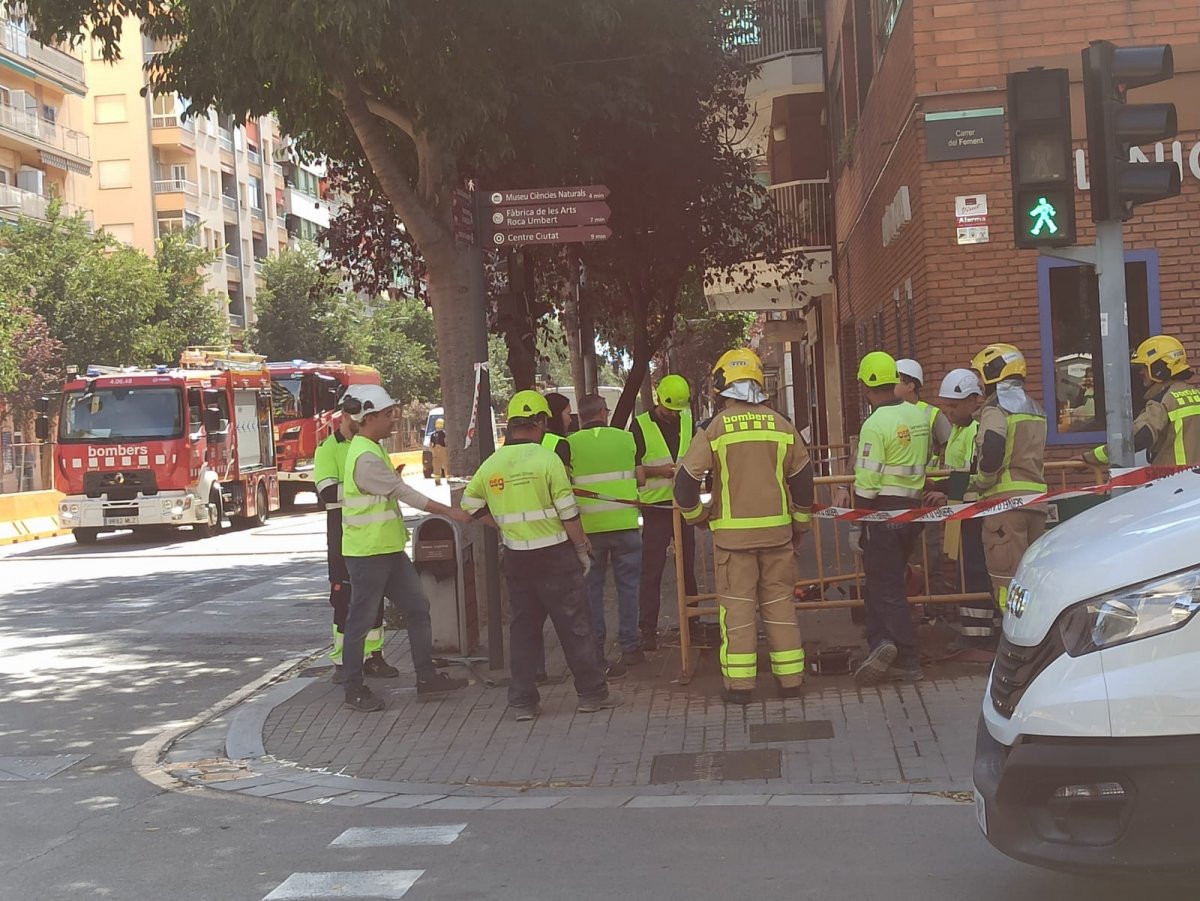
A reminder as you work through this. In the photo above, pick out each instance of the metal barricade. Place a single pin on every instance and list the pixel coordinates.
(829, 555)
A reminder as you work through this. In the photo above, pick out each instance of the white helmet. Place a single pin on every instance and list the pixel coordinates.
(960, 383)
(912, 369)
(359, 400)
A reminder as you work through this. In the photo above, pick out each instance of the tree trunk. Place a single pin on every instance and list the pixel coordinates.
(522, 354)
(570, 321)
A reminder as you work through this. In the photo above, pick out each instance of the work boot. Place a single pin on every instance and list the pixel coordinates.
(609, 701)
(363, 699)
(896, 674)
(875, 666)
(632, 658)
(440, 684)
(615, 670)
(741, 696)
(339, 674)
(526, 714)
(649, 641)
(378, 668)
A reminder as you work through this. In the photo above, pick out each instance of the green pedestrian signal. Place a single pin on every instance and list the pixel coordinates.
(1043, 215)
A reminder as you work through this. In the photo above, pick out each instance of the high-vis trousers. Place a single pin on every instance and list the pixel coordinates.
(751, 582)
(977, 620)
(1006, 537)
(339, 600)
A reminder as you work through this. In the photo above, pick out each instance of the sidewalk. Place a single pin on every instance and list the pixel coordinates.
(668, 745)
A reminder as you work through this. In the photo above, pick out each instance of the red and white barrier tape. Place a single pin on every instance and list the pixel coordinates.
(1131, 478)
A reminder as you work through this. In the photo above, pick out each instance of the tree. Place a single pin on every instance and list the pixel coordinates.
(398, 339)
(302, 312)
(39, 359)
(424, 95)
(186, 314)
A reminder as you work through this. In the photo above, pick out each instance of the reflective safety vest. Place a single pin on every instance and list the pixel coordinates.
(659, 490)
(960, 449)
(893, 452)
(524, 487)
(602, 460)
(1024, 461)
(932, 413)
(752, 428)
(550, 440)
(371, 524)
(329, 466)
(1183, 405)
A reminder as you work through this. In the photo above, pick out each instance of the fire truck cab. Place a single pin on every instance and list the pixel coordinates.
(305, 399)
(185, 446)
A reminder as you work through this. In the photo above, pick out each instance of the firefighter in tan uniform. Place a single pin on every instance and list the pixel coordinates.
(1010, 459)
(1168, 428)
(761, 504)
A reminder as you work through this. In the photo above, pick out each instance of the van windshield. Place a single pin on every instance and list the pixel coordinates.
(121, 414)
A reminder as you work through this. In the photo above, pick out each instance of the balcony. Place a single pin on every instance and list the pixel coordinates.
(59, 66)
(803, 211)
(237, 321)
(254, 157)
(172, 131)
(40, 133)
(173, 225)
(258, 267)
(233, 262)
(785, 40)
(15, 203)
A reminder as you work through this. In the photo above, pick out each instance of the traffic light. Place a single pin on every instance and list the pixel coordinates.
(1039, 149)
(1113, 126)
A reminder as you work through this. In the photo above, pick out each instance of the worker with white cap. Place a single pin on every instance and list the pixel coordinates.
(373, 541)
(960, 397)
(912, 377)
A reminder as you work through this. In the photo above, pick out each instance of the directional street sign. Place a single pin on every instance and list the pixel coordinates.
(554, 215)
(522, 237)
(541, 196)
(463, 211)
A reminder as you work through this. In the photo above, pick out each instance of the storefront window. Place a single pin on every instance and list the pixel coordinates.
(1072, 362)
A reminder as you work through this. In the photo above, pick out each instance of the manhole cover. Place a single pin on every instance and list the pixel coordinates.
(29, 769)
(715, 766)
(804, 730)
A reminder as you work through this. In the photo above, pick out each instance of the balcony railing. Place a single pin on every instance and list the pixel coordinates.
(232, 262)
(772, 28)
(172, 121)
(258, 266)
(258, 212)
(176, 186)
(226, 140)
(44, 131)
(229, 202)
(237, 320)
(15, 201)
(17, 41)
(254, 156)
(803, 209)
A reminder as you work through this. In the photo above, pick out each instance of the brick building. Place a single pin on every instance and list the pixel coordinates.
(916, 94)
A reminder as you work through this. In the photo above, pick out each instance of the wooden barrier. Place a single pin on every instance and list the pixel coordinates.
(1058, 474)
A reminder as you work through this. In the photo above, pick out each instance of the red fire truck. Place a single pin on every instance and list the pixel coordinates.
(141, 448)
(305, 399)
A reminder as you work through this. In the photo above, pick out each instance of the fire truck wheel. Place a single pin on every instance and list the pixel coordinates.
(85, 536)
(262, 513)
(215, 514)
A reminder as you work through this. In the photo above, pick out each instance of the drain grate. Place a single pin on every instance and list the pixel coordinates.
(32, 769)
(803, 730)
(715, 766)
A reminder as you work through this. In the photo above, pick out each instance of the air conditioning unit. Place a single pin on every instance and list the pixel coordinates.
(32, 180)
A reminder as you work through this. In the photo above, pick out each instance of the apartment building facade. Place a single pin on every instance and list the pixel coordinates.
(915, 276)
(45, 152)
(158, 172)
(307, 204)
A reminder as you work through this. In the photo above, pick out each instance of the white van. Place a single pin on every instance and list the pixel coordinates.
(1088, 751)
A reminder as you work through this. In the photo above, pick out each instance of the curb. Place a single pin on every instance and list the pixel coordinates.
(244, 768)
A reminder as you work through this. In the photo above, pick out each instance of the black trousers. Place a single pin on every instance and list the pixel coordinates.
(541, 583)
(886, 549)
(339, 575)
(657, 533)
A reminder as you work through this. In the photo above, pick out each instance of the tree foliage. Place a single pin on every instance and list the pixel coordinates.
(398, 339)
(186, 312)
(105, 302)
(301, 311)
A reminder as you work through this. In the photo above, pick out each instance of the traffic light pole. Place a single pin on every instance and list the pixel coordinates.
(1114, 342)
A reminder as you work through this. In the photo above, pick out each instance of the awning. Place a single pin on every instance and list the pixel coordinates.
(62, 162)
(17, 67)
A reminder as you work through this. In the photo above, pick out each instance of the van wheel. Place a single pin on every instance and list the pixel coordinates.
(216, 513)
(86, 536)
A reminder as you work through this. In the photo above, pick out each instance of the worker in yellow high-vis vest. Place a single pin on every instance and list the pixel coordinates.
(761, 506)
(329, 467)
(889, 474)
(912, 380)
(602, 461)
(558, 427)
(1010, 461)
(1168, 428)
(524, 489)
(661, 437)
(373, 541)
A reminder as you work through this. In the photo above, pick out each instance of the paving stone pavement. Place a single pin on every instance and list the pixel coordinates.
(911, 738)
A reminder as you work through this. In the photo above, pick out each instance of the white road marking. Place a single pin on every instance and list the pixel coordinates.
(385, 884)
(386, 836)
